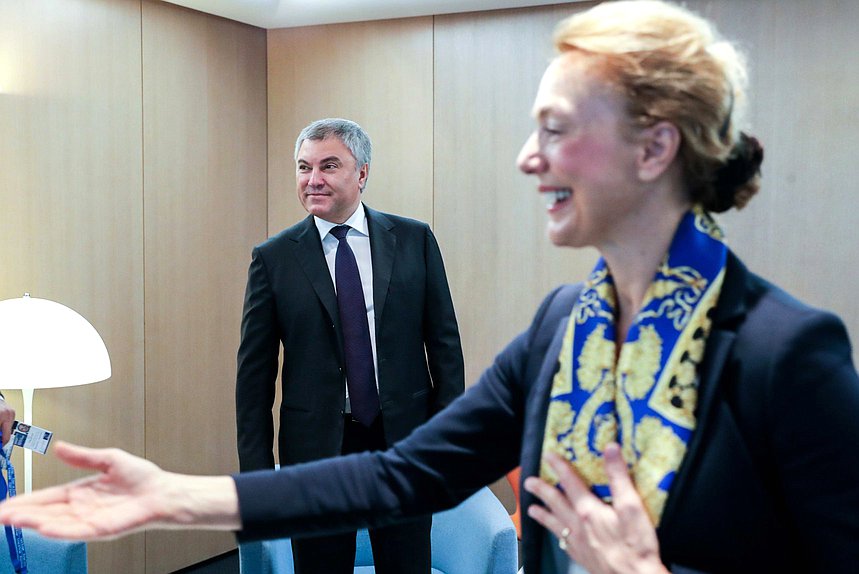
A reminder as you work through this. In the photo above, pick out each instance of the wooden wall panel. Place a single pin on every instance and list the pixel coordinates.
(800, 232)
(487, 214)
(378, 74)
(204, 104)
(71, 211)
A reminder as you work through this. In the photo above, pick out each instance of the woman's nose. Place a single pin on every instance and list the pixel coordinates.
(530, 161)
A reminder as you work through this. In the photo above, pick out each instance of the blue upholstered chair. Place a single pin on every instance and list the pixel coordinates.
(476, 537)
(47, 556)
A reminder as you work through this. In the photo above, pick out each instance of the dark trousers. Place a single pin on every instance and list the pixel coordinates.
(403, 548)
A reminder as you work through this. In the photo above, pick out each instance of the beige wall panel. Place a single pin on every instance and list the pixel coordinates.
(71, 211)
(489, 217)
(376, 73)
(800, 231)
(204, 101)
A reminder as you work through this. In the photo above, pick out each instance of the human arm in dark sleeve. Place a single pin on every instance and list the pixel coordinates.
(441, 332)
(256, 370)
(814, 400)
(468, 445)
(473, 442)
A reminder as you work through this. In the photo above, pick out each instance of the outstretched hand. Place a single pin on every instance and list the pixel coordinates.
(127, 495)
(617, 537)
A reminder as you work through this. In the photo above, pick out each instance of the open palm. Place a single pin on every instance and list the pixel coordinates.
(122, 498)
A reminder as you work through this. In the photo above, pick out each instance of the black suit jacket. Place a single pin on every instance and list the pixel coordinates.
(770, 481)
(290, 301)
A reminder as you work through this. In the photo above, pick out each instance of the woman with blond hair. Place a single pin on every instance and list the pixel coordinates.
(674, 411)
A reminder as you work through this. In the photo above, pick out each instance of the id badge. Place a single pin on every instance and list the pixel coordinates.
(30, 436)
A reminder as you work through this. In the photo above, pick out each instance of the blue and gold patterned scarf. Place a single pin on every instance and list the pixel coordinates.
(646, 401)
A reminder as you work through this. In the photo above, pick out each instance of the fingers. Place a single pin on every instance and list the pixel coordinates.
(53, 513)
(552, 498)
(617, 471)
(24, 510)
(575, 499)
(565, 509)
(63, 529)
(546, 519)
(573, 486)
(50, 495)
(6, 429)
(53, 521)
(627, 501)
(597, 535)
(572, 507)
(83, 457)
(7, 417)
(24, 517)
(549, 517)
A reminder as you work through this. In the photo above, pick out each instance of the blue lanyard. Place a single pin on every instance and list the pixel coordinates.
(14, 536)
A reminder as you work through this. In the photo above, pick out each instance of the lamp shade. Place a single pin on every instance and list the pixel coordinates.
(44, 344)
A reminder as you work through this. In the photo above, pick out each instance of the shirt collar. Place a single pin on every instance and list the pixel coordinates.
(357, 221)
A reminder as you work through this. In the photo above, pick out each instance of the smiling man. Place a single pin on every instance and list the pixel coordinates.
(360, 304)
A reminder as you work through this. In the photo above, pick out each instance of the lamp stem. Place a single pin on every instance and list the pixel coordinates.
(28, 454)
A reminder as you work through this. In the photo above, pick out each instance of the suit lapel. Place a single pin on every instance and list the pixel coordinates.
(532, 439)
(730, 309)
(547, 348)
(538, 405)
(383, 245)
(312, 261)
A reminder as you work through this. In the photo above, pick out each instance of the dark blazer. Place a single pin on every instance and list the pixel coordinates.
(290, 301)
(770, 481)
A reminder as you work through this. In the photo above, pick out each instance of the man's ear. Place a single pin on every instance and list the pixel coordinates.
(659, 145)
(362, 176)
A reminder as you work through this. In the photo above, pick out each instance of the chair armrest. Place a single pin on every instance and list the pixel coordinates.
(266, 557)
(48, 555)
(476, 537)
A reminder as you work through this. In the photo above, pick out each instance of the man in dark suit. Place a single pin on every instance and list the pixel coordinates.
(350, 382)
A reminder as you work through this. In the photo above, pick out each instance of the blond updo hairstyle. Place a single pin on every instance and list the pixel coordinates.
(671, 65)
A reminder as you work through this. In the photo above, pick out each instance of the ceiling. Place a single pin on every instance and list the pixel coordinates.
(290, 13)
